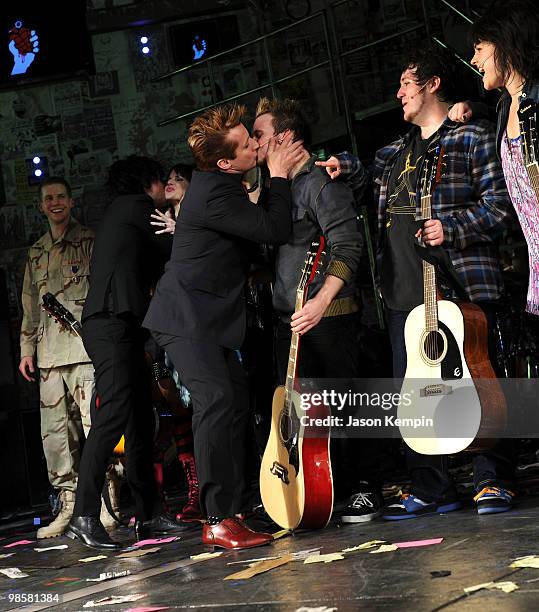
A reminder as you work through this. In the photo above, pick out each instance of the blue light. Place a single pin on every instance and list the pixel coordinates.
(143, 39)
(36, 160)
(38, 172)
(145, 50)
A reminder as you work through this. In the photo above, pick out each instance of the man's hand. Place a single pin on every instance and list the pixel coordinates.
(26, 367)
(164, 221)
(332, 166)
(309, 316)
(432, 232)
(283, 154)
(461, 112)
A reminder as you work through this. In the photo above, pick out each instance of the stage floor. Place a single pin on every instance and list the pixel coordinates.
(474, 550)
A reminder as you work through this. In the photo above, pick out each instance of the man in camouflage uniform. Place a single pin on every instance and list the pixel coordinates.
(58, 263)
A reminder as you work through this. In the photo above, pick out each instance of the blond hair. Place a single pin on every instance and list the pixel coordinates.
(208, 133)
(285, 115)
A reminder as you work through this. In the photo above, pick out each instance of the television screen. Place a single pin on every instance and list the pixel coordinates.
(39, 43)
(198, 40)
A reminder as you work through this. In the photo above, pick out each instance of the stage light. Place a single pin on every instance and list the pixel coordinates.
(144, 45)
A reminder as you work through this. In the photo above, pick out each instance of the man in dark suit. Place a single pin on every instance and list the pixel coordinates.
(198, 313)
(127, 261)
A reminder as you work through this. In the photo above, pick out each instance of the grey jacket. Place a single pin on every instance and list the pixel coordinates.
(319, 206)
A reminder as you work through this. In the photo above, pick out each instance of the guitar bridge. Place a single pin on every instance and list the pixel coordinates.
(280, 471)
(431, 390)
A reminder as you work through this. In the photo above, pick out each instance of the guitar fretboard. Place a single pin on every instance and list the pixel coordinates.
(429, 277)
(293, 354)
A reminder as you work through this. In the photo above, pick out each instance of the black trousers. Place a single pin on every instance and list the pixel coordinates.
(116, 347)
(429, 473)
(219, 393)
(331, 350)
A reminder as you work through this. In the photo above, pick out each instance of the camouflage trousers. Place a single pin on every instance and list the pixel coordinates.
(65, 396)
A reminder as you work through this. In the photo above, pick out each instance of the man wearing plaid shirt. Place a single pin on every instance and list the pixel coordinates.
(470, 208)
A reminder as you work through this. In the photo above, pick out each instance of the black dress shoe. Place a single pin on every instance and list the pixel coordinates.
(90, 531)
(159, 525)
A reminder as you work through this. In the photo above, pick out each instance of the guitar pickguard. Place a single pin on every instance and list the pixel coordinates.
(451, 366)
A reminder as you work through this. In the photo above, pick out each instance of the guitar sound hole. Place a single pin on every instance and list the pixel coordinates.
(433, 345)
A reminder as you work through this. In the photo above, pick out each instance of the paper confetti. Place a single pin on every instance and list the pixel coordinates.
(244, 561)
(529, 561)
(281, 534)
(259, 568)
(90, 559)
(19, 543)
(416, 543)
(147, 609)
(155, 541)
(208, 555)
(108, 576)
(13, 572)
(324, 558)
(506, 587)
(301, 555)
(60, 547)
(364, 546)
(319, 609)
(383, 549)
(138, 553)
(113, 599)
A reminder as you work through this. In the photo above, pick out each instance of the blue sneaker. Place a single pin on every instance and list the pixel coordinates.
(409, 506)
(492, 500)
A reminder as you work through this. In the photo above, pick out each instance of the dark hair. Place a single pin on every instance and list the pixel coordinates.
(53, 180)
(208, 135)
(184, 170)
(134, 175)
(512, 26)
(431, 61)
(286, 115)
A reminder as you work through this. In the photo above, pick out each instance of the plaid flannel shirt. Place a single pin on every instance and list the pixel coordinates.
(471, 201)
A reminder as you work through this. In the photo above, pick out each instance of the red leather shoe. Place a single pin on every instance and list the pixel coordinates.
(233, 534)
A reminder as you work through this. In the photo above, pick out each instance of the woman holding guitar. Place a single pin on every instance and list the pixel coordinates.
(506, 45)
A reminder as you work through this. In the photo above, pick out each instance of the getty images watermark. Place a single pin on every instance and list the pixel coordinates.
(451, 406)
(338, 401)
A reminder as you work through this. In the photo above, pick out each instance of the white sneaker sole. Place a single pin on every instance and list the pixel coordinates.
(364, 518)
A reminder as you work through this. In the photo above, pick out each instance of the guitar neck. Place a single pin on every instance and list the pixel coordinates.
(293, 353)
(429, 276)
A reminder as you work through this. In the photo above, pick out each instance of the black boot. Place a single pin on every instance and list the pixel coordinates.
(90, 531)
(158, 525)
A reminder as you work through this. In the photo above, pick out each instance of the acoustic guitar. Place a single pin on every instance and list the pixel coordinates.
(452, 390)
(295, 475)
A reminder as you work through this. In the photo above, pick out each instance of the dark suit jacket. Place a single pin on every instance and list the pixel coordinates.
(127, 260)
(201, 293)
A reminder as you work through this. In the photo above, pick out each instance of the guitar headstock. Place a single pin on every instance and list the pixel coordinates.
(314, 255)
(432, 168)
(59, 313)
(527, 118)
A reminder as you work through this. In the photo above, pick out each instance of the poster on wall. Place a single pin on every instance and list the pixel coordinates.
(25, 193)
(12, 230)
(13, 262)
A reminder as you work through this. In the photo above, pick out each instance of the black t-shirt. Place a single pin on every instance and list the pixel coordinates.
(401, 275)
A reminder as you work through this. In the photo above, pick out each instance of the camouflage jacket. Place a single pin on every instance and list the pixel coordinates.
(60, 267)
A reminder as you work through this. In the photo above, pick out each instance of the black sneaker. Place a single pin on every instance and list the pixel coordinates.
(364, 506)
